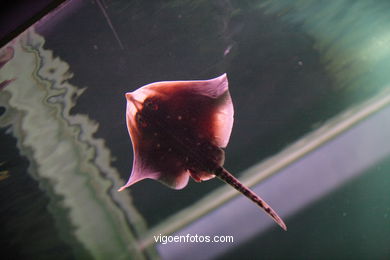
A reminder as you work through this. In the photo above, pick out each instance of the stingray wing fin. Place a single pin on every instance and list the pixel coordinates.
(173, 176)
(140, 170)
(222, 118)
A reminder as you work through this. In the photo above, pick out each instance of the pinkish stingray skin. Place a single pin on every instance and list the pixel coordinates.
(178, 128)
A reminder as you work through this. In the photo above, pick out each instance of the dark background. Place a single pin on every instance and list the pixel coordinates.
(276, 99)
(18, 15)
(280, 91)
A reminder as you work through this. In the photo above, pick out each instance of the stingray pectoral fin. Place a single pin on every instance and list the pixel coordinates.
(223, 112)
(223, 122)
(213, 88)
(140, 172)
(135, 177)
(140, 169)
(175, 180)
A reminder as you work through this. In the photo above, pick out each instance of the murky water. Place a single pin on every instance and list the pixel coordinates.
(291, 67)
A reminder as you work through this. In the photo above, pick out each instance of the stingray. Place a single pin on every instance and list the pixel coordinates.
(178, 130)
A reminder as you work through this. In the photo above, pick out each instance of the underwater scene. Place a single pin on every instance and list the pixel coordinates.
(296, 94)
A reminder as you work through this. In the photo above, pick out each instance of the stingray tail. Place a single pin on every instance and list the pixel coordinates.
(227, 177)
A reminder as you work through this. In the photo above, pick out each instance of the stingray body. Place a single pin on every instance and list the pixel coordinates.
(178, 130)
